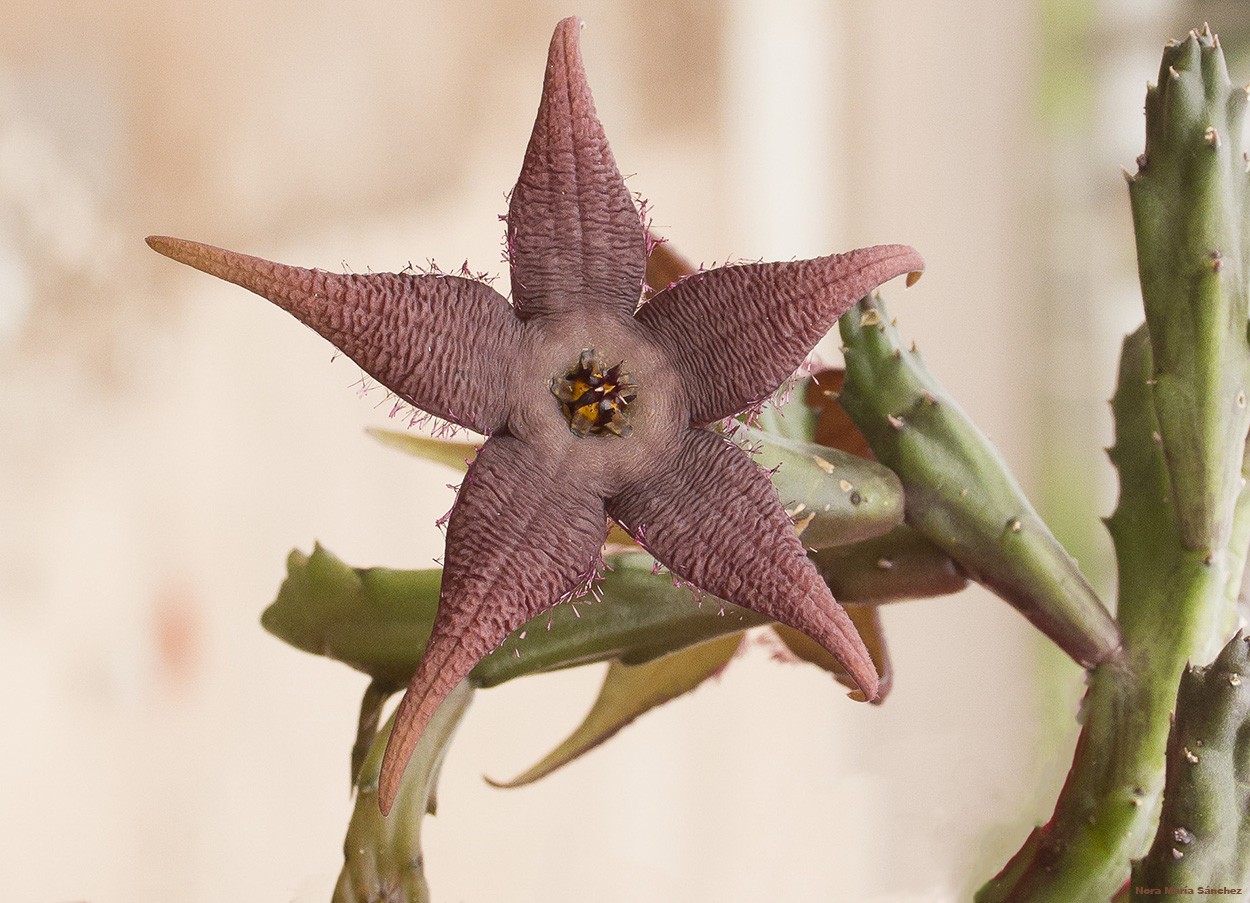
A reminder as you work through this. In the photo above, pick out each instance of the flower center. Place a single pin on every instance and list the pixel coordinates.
(595, 397)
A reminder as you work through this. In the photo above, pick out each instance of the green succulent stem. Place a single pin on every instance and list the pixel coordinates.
(1189, 202)
(1176, 606)
(1204, 831)
(959, 493)
(382, 855)
(1183, 521)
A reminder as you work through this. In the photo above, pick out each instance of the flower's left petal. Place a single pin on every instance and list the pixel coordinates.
(438, 342)
(737, 332)
(575, 238)
(522, 537)
(713, 518)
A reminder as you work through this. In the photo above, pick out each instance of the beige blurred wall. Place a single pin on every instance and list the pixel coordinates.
(165, 439)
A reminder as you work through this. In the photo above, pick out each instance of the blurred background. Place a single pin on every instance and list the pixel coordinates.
(165, 439)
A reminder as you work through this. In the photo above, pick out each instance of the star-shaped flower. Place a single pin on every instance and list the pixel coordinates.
(595, 406)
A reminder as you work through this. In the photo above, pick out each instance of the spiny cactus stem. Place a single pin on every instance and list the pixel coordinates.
(1176, 606)
(1204, 832)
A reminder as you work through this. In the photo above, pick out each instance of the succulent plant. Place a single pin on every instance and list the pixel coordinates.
(596, 406)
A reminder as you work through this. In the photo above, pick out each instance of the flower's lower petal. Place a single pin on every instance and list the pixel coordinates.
(437, 342)
(737, 332)
(713, 518)
(521, 538)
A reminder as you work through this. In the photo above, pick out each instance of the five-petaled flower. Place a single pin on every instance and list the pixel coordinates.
(593, 404)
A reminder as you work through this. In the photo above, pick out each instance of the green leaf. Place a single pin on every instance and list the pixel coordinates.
(1175, 605)
(455, 455)
(632, 690)
(382, 855)
(371, 705)
(789, 417)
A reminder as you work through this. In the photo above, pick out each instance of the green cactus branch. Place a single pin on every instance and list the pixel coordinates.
(1189, 201)
(382, 857)
(959, 493)
(1204, 832)
(1181, 527)
(1174, 604)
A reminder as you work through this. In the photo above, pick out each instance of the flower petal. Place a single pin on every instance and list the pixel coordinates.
(737, 332)
(574, 234)
(713, 518)
(521, 538)
(438, 342)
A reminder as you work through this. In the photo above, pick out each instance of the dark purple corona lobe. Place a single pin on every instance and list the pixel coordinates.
(595, 397)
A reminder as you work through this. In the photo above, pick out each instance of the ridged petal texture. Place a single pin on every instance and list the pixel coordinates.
(574, 234)
(529, 523)
(519, 539)
(737, 332)
(713, 518)
(435, 341)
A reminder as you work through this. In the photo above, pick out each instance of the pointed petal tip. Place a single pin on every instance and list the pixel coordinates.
(388, 784)
(906, 259)
(885, 262)
(869, 689)
(192, 253)
(164, 244)
(565, 46)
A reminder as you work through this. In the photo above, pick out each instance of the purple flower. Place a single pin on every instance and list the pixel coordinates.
(595, 407)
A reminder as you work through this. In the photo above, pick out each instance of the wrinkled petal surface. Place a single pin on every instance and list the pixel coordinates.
(521, 538)
(438, 342)
(737, 332)
(574, 234)
(713, 518)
